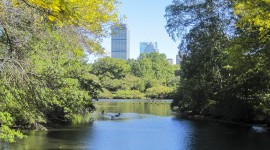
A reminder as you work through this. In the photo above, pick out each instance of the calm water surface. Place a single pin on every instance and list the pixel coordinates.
(145, 125)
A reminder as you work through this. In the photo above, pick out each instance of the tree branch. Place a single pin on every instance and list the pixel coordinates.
(9, 43)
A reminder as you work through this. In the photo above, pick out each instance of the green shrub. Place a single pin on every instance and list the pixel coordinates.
(106, 94)
(159, 91)
(125, 94)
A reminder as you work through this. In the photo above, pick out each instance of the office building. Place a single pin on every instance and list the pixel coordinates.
(148, 47)
(177, 59)
(120, 42)
(170, 60)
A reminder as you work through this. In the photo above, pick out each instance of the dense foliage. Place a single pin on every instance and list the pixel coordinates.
(151, 76)
(225, 58)
(44, 77)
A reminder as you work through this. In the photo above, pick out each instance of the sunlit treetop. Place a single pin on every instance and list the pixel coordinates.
(91, 15)
(253, 13)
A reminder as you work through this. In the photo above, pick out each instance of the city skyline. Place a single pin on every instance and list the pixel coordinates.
(146, 25)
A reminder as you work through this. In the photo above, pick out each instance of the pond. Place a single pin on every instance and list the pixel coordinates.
(144, 125)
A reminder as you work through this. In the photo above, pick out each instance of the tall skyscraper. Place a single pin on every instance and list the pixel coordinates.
(177, 59)
(120, 42)
(170, 60)
(148, 47)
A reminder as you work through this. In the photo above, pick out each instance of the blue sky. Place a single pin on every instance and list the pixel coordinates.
(146, 22)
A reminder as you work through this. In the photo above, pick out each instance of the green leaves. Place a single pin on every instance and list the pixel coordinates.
(6, 119)
(44, 73)
(159, 91)
(110, 67)
(253, 14)
(132, 78)
(7, 134)
(129, 94)
(92, 15)
(225, 57)
(154, 66)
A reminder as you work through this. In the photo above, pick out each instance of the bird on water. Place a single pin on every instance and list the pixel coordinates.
(111, 116)
(118, 115)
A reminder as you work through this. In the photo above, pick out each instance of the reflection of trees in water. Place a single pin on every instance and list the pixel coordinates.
(62, 138)
(33, 137)
(141, 107)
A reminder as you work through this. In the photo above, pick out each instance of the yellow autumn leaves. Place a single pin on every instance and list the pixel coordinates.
(253, 13)
(88, 14)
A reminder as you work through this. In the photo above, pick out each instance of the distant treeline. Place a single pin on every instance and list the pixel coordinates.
(150, 76)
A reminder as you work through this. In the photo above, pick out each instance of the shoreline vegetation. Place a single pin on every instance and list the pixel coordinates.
(133, 94)
(255, 124)
(45, 76)
(225, 58)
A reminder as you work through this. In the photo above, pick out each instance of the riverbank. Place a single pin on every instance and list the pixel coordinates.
(133, 99)
(252, 124)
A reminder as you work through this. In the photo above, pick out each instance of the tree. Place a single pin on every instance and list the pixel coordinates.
(184, 15)
(134, 66)
(250, 54)
(133, 76)
(201, 49)
(252, 14)
(43, 71)
(154, 66)
(224, 71)
(91, 15)
(131, 82)
(159, 92)
(110, 67)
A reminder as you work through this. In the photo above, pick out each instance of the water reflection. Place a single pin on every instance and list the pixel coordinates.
(68, 138)
(214, 135)
(147, 126)
(153, 107)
